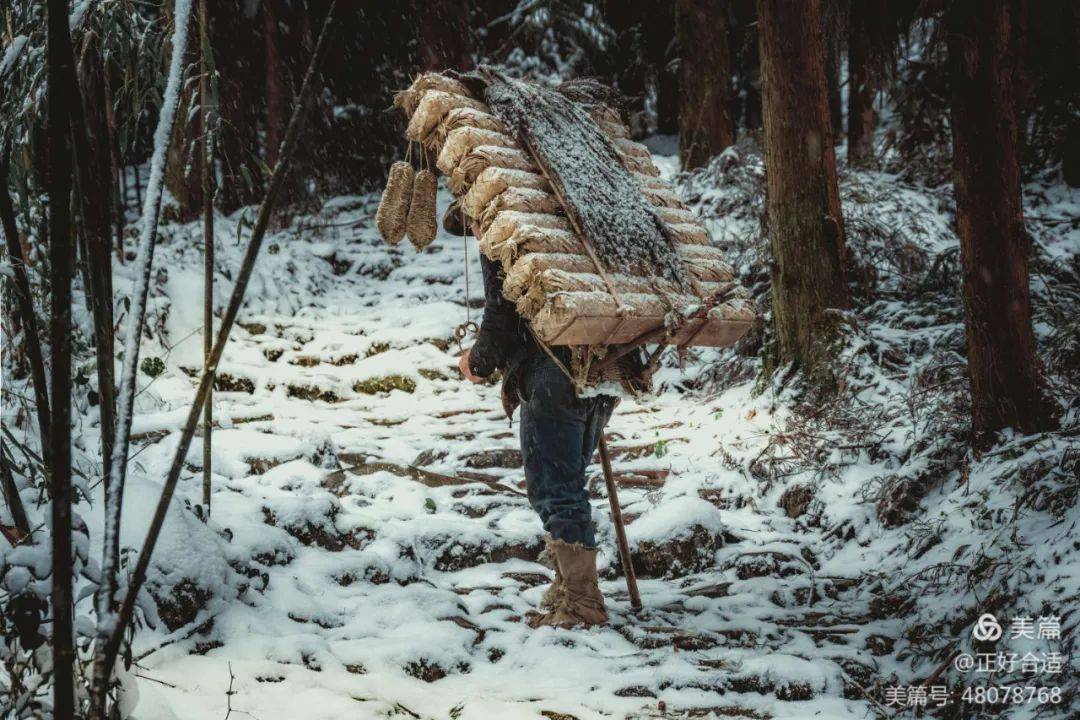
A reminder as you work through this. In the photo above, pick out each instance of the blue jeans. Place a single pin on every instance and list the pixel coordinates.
(559, 434)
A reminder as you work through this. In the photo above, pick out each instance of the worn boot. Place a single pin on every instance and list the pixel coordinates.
(580, 602)
(549, 558)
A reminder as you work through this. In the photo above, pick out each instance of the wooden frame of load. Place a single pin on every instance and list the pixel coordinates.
(551, 272)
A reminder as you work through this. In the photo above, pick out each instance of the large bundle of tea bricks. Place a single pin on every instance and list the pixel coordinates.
(520, 224)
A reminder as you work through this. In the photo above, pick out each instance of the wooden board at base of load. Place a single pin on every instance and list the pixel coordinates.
(549, 274)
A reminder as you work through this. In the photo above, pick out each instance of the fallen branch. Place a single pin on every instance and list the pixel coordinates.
(288, 145)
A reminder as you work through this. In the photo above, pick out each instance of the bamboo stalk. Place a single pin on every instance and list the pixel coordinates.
(61, 78)
(12, 497)
(119, 186)
(25, 300)
(114, 496)
(288, 145)
(207, 153)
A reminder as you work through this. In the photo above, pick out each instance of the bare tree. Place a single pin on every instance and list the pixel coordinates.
(1006, 386)
(805, 225)
(706, 114)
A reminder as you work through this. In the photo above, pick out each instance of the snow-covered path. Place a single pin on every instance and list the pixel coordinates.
(371, 552)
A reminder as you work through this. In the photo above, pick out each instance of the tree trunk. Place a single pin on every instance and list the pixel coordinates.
(659, 29)
(628, 59)
(277, 94)
(805, 225)
(444, 35)
(832, 24)
(59, 99)
(238, 56)
(95, 174)
(706, 123)
(862, 84)
(184, 167)
(1006, 387)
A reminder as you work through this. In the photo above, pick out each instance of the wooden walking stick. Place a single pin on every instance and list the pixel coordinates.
(620, 527)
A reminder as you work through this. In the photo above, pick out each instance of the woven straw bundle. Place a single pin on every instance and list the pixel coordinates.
(408, 100)
(609, 121)
(463, 141)
(495, 180)
(640, 165)
(662, 197)
(633, 149)
(532, 296)
(434, 105)
(561, 308)
(677, 215)
(522, 273)
(689, 233)
(515, 199)
(463, 117)
(483, 157)
(421, 224)
(394, 206)
(508, 222)
(739, 308)
(529, 239)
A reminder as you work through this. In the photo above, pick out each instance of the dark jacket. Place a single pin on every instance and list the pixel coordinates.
(504, 344)
(503, 341)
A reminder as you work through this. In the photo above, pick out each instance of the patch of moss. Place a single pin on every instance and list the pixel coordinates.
(376, 348)
(344, 359)
(430, 374)
(312, 392)
(224, 382)
(386, 383)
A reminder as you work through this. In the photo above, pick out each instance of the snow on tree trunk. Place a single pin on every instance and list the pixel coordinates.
(805, 225)
(706, 121)
(1006, 387)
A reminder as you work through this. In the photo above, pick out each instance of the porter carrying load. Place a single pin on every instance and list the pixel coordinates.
(588, 257)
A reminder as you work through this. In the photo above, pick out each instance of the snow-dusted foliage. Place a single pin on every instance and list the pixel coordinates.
(547, 40)
(931, 534)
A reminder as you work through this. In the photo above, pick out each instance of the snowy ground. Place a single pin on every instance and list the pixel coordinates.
(370, 551)
(342, 581)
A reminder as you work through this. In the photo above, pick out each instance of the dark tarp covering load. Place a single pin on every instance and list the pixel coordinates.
(597, 191)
